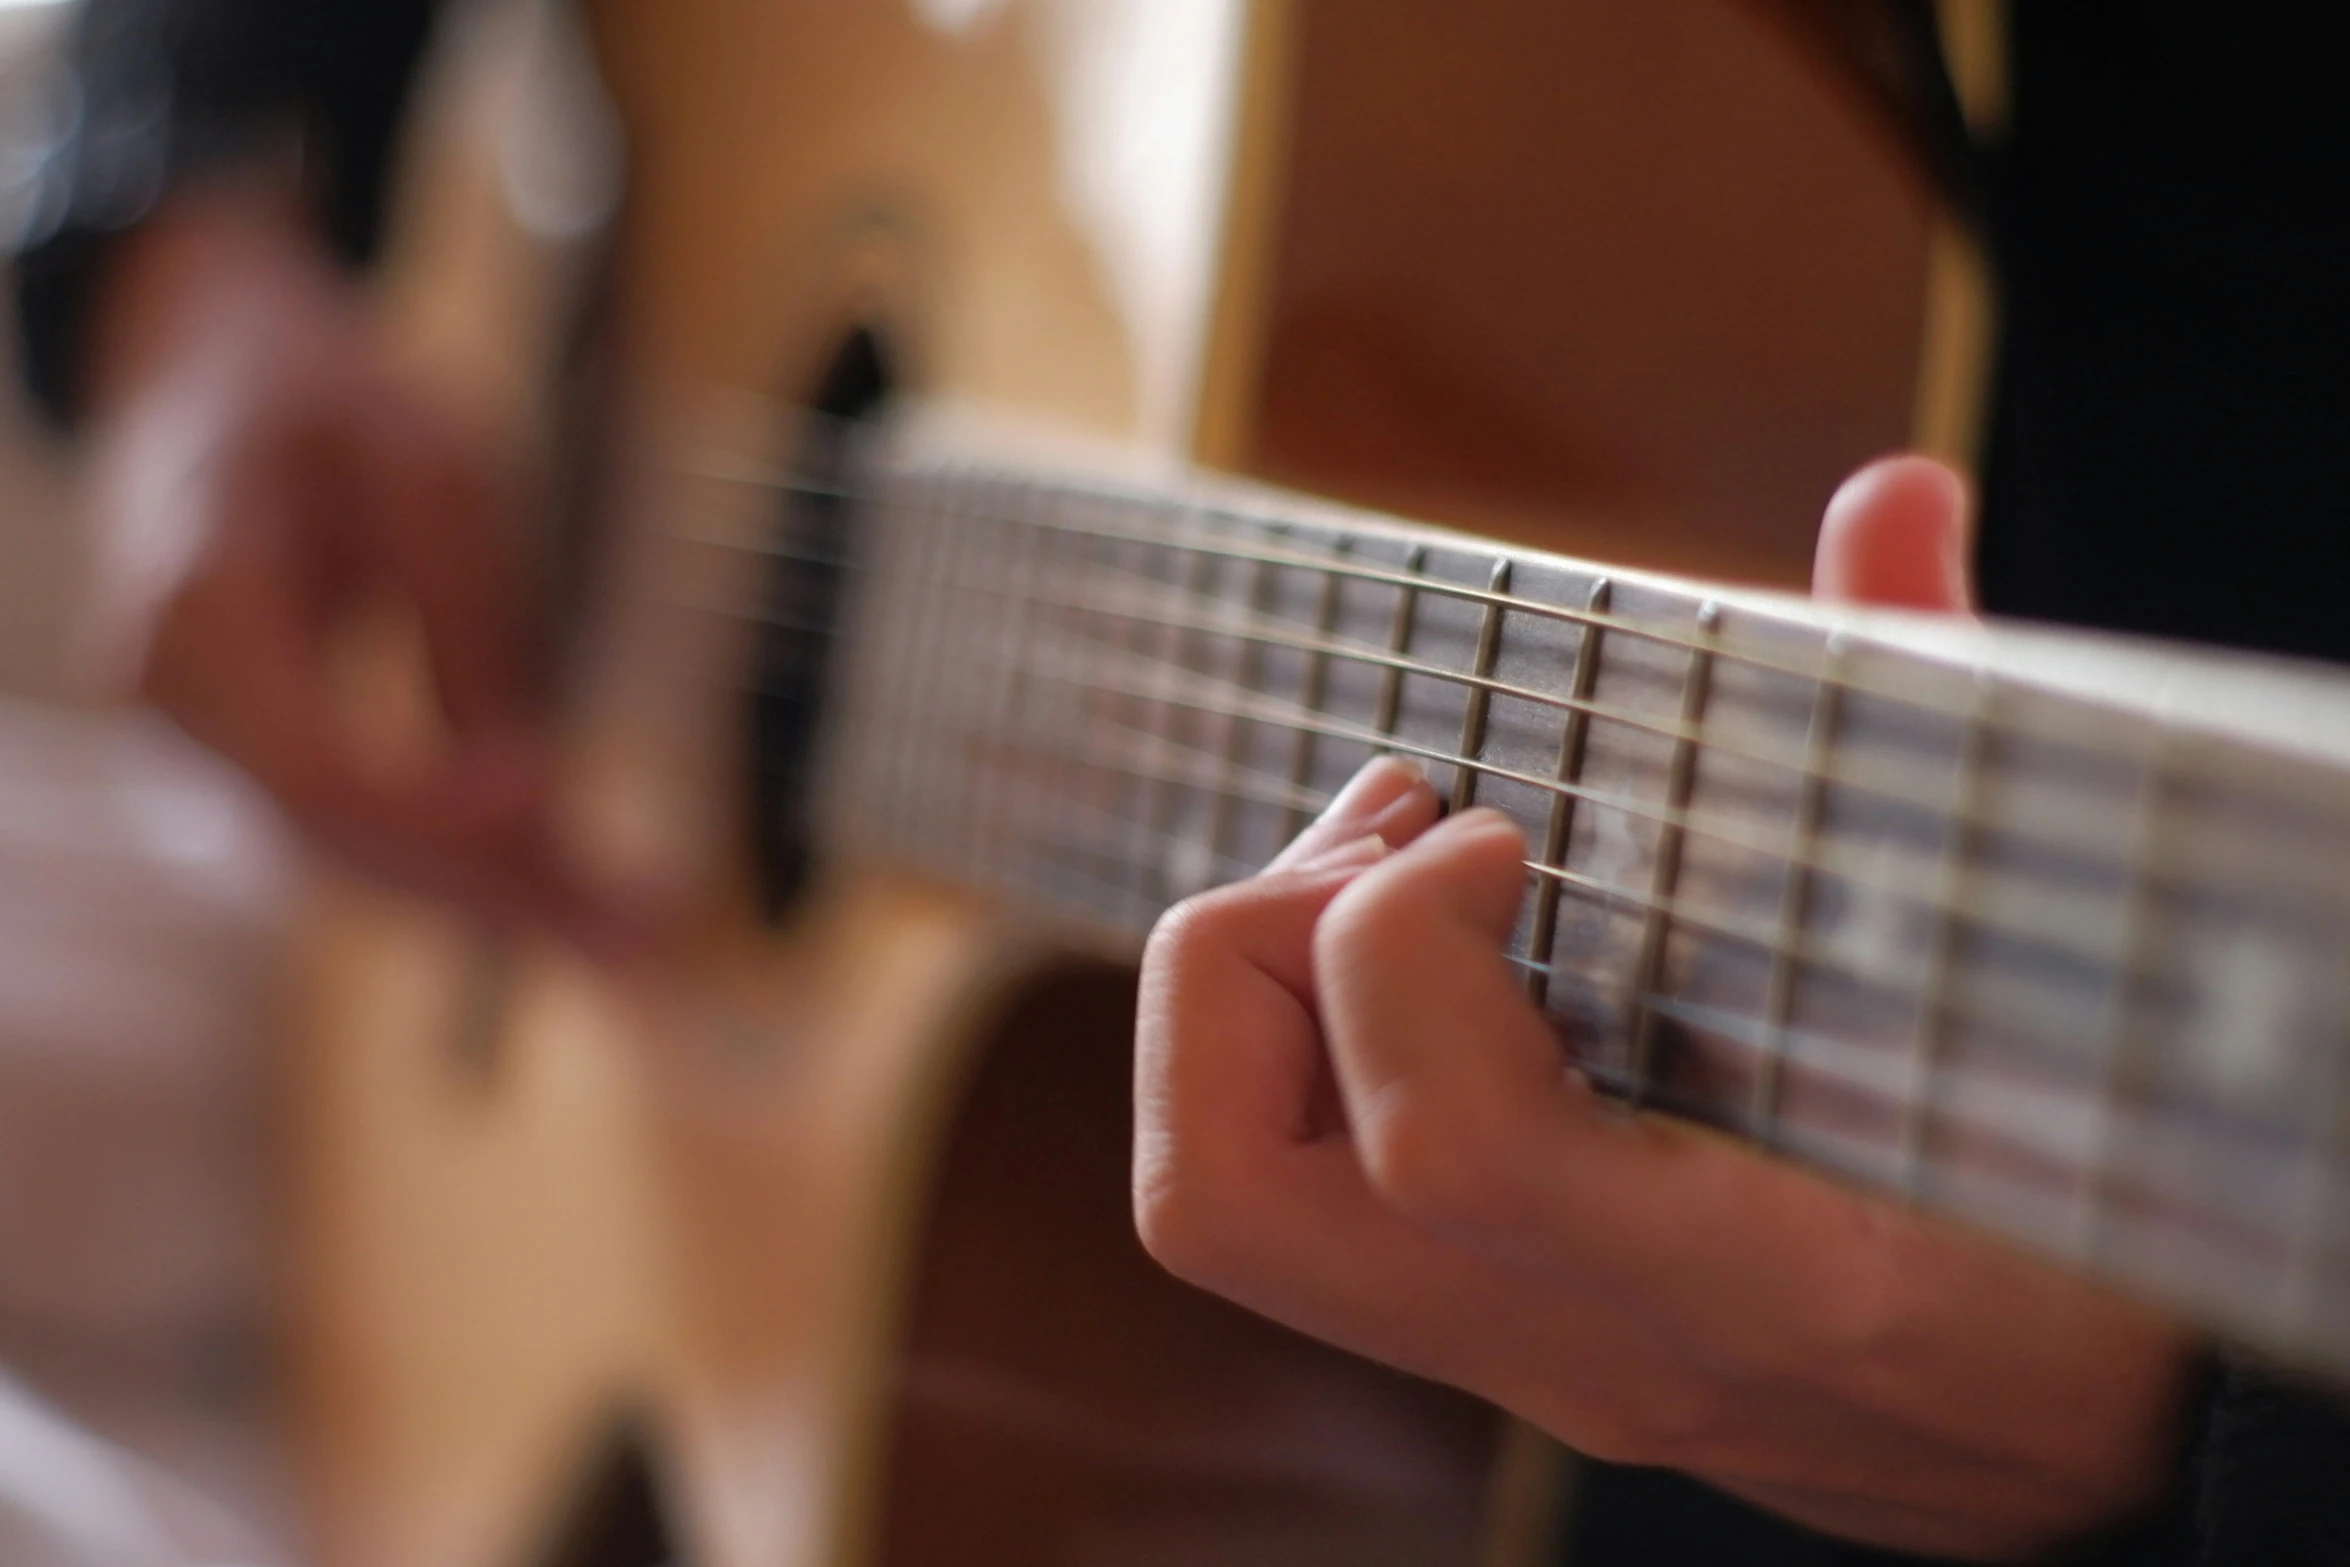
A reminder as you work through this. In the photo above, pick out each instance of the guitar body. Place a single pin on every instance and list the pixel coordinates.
(815, 1250)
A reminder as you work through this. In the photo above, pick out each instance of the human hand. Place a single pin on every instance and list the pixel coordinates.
(1351, 1120)
(266, 477)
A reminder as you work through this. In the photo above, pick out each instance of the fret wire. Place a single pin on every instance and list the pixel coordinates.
(1265, 788)
(893, 660)
(1655, 932)
(1069, 718)
(1654, 632)
(1024, 554)
(1043, 813)
(992, 851)
(1399, 644)
(1268, 789)
(1472, 743)
(1212, 773)
(1262, 788)
(1324, 647)
(2124, 1078)
(1248, 787)
(1795, 894)
(1016, 525)
(1573, 733)
(1268, 711)
(1148, 504)
(976, 542)
(1183, 646)
(854, 763)
(926, 582)
(1316, 688)
(961, 542)
(1903, 890)
(1197, 769)
(2318, 1180)
(1929, 1034)
(1651, 1087)
(926, 672)
(1248, 662)
(1154, 505)
(1853, 1068)
(1857, 1069)
(1664, 728)
(1147, 891)
(966, 686)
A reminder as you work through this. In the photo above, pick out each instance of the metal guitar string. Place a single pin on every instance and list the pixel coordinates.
(1134, 604)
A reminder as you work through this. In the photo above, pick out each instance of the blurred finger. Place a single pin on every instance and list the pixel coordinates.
(1897, 534)
(237, 660)
(442, 525)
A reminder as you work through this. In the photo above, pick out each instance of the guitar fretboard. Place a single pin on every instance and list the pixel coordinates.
(2061, 964)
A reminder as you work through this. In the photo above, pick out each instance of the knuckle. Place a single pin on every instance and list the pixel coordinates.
(1368, 925)
(1194, 928)
(1429, 1159)
(1182, 1220)
(1176, 933)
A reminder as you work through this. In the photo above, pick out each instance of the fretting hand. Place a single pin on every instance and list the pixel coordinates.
(1351, 1120)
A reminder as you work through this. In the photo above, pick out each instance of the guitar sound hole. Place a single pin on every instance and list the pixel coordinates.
(616, 1517)
(815, 532)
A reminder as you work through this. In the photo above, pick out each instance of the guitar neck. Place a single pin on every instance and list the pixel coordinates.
(2036, 931)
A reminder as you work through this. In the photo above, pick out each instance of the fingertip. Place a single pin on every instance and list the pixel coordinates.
(1467, 870)
(1480, 824)
(1482, 840)
(1388, 798)
(1896, 534)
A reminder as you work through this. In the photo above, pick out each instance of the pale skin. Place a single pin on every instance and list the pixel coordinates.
(266, 475)
(1350, 1119)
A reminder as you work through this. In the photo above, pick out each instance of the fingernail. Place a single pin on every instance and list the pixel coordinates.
(1381, 800)
(1383, 784)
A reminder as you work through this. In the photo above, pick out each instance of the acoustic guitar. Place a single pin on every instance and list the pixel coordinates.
(926, 670)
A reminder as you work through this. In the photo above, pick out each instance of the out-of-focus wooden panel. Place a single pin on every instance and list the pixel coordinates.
(1626, 279)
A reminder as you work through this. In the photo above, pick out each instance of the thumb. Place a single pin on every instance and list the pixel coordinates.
(1897, 534)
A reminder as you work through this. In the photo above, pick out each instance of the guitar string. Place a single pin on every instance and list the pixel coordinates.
(1274, 633)
(1955, 709)
(1114, 889)
(1972, 1098)
(2032, 1118)
(2065, 847)
(957, 510)
(2029, 1019)
(1213, 696)
(1311, 719)
(1208, 773)
(1190, 517)
(1200, 771)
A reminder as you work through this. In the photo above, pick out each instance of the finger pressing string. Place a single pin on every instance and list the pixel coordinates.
(1388, 799)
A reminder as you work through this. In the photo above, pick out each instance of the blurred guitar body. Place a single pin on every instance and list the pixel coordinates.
(817, 1252)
